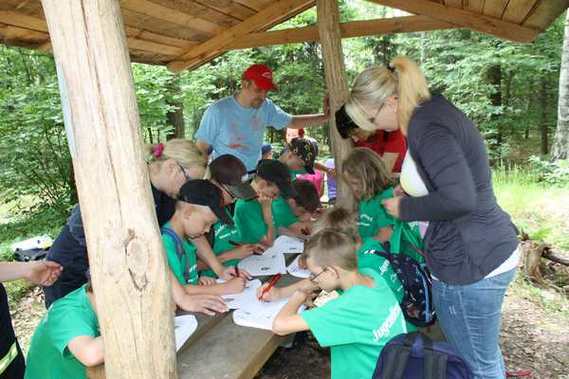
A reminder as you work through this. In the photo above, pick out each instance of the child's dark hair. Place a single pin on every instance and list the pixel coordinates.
(367, 167)
(330, 247)
(338, 218)
(306, 195)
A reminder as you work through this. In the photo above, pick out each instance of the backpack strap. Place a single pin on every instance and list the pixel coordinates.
(180, 253)
(435, 363)
(396, 360)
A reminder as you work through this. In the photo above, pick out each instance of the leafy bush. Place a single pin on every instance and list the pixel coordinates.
(556, 173)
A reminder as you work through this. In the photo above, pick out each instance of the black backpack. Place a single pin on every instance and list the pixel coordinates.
(30, 255)
(417, 304)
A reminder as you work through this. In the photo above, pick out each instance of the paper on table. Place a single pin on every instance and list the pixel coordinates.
(184, 327)
(287, 245)
(238, 300)
(259, 314)
(294, 270)
(269, 263)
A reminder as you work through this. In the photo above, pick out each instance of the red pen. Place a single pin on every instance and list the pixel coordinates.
(272, 283)
(237, 271)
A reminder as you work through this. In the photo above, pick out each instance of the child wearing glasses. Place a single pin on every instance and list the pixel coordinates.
(356, 325)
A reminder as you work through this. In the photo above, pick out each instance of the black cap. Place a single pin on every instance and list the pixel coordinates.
(344, 123)
(230, 172)
(305, 150)
(276, 172)
(203, 192)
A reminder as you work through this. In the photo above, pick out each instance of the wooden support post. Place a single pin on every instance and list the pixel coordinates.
(125, 250)
(336, 83)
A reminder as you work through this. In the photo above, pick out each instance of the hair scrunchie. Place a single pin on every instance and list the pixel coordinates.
(157, 150)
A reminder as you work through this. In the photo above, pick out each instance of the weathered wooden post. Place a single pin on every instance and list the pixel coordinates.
(335, 73)
(102, 124)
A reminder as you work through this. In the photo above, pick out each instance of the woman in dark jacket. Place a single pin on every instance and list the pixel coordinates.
(471, 245)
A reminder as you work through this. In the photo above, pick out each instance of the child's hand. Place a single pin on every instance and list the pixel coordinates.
(44, 273)
(207, 281)
(230, 273)
(271, 295)
(207, 304)
(265, 201)
(384, 234)
(300, 296)
(398, 191)
(248, 249)
(392, 206)
(235, 285)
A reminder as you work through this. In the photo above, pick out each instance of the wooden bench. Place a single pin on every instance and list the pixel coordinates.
(221, 349)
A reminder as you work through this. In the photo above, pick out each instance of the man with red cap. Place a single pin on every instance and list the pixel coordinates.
(236, 124)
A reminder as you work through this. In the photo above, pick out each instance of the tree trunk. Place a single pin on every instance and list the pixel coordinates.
(561, 144)
(175, 116)
(336, 83)
(126, 255)
(543, 119)
(495, 79)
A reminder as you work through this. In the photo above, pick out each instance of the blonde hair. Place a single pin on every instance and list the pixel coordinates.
(367, 167)
(330, 247)
(338, 218)
(183, 151)
(403, 78)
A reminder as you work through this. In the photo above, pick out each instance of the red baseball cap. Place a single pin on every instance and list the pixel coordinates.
(261, 75)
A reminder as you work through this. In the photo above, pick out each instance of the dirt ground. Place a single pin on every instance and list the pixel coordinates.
(531, 339)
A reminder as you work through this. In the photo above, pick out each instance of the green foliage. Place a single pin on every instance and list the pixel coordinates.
(555, 173)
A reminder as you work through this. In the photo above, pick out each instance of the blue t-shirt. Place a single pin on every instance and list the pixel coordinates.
(232, 129)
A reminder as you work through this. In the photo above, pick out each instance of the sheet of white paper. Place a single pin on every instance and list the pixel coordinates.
(294, 270)
(258, 314)
(238, 300)
(287, 245)
(184, 327)
(269, 263)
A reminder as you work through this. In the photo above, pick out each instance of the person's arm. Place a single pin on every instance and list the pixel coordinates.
(240, 252)
(307, 120)
(88, 350)
(324, 168)
(287, 320)
(266, 206)
(206, 304)
(235, 285)
(206, 254)
(277, 293)
(209, 129)
(445, 164)
(203, 146)
(44, 273)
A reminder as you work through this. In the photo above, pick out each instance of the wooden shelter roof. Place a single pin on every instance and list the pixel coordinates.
(188, 33)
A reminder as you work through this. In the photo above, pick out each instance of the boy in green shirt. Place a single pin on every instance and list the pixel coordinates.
(254, 218)
(68, 339)
(356, 325)
(293, 216)
(199, 205)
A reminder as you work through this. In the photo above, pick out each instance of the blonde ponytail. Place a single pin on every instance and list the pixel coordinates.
(371, 88)
(183, 151)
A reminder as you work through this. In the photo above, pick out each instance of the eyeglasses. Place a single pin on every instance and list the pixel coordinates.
(372, 119)
(229, 192)
(186, 176)
(313, 277)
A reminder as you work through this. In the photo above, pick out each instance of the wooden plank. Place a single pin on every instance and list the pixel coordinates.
(545, 12)
(453, 3)
(172, 16)
(22, 20)
(352, 29)
(16, 36)
(229, 7)
(210, 48)
(257, 5)
(475, 6)
(469, 19)
(197, 9)
(158, 38)
(518, 10)
(495, 8)
(337, 86)
(126, 255)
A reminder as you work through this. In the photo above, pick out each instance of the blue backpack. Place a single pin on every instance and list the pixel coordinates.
(416, 356)
(417, 304)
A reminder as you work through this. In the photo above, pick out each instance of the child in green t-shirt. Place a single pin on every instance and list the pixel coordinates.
(67, 339)
(356, 325)
(367, 177)
(293, 217)
(199, 206)
(254, 218)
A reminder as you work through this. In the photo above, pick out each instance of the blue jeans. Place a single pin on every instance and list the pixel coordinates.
(470, 317)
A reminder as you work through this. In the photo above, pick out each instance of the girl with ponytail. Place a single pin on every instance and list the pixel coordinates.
(471, 244)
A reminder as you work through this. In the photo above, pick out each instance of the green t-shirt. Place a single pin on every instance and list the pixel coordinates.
(294, 173)
(372, 214)
(406, 239)
(188, 261)
(282, 213)
(249, 220)
(368, 259)
(223, 234)
(356, 326)
(69, 317)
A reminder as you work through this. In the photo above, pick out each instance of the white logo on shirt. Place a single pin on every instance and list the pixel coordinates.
(387, 324)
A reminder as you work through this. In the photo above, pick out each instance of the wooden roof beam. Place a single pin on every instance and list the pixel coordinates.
(464, 18)
(212, 47)
(406, 24)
